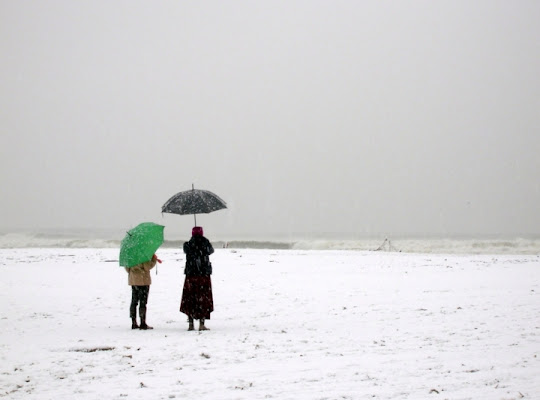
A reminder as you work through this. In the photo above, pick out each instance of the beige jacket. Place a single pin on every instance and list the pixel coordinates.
(139, 275)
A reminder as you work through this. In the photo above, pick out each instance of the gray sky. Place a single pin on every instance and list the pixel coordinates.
(353, 117)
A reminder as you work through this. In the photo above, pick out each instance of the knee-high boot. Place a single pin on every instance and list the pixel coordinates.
(144, 325)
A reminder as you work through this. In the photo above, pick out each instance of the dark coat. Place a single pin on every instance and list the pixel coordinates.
(197, 252)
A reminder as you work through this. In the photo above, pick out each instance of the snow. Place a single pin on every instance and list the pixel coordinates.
(288, 324)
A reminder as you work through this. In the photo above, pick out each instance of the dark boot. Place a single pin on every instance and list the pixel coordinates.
(191, 327)
(134, 324)
(201, 325)
(144, 326)
(142, 313)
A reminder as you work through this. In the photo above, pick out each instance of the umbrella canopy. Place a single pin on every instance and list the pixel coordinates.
(140, 244)
(194, 201)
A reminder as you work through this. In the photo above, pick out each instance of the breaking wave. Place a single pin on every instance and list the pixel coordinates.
(431, 245)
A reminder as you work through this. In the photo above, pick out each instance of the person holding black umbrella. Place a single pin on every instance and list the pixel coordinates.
(197, 300)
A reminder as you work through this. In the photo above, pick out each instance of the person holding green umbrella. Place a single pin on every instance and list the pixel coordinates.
(137, 255)
(139, 279)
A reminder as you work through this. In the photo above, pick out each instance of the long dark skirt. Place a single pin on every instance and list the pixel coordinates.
(197, 300)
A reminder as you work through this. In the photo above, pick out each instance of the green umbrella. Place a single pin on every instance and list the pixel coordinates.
(140, 244)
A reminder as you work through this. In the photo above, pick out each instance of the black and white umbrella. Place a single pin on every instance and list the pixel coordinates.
(194, 201)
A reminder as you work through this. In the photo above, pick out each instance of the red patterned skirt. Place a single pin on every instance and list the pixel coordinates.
(197, 300)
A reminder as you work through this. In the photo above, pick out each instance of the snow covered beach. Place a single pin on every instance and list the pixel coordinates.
(288, 324)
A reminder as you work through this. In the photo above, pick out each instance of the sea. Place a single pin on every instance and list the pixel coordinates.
(392, 243)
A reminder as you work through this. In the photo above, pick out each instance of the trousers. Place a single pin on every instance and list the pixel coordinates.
(139, 296)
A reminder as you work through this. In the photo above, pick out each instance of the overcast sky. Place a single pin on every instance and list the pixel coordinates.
(353, 117)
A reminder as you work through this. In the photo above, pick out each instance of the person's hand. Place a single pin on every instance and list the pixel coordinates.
(154, 258)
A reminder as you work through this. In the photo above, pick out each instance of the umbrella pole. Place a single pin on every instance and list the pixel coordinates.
(194, 215)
